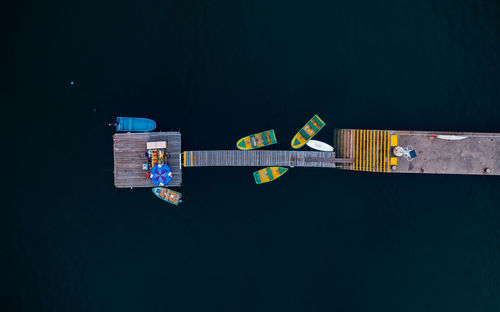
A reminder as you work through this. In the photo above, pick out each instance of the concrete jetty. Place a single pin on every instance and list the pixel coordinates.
(450, 152)
(436, 152)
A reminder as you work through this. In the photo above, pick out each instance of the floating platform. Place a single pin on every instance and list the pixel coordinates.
(436, 152)
(129, 156)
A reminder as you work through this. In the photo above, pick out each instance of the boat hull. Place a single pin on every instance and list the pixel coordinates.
(134, 124)
(168, 195)
(319, 146)
(307, 132)
(257, 140)
(268, 174)
(451, 137)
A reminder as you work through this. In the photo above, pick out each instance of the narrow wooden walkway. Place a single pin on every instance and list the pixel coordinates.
(260, 158)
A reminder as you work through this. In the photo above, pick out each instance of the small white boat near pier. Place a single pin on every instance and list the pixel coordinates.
(319, 146)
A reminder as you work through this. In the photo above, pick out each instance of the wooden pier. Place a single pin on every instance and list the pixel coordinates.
(355, 149)
(261, 158)
(129, 155)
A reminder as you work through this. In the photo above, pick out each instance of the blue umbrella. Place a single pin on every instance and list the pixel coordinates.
(160, 174)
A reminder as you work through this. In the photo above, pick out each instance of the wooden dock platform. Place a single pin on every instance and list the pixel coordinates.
(129, 155)
(260, 158)
(373, 150)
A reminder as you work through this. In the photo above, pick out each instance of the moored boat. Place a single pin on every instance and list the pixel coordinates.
(268, 174)
(257, 140)
(451, 137)
(168, 195)
(134, 124)
(310, 129)
(319, 146)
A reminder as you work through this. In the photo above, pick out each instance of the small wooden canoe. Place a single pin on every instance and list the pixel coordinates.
(268, 174)
(168, 195)
(134, 124)
(310, 129)
(257, 140)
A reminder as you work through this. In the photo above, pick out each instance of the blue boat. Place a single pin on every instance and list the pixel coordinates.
(134, 124)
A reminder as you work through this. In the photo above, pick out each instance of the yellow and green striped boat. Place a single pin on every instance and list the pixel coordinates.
(268, 174)
(257, 140)
(310, 129)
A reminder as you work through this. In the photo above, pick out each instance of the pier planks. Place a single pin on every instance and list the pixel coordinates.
(129, 156)
(260, 158)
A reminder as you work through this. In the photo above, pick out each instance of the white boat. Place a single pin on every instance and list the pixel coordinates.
(451, 137)
(320, 146)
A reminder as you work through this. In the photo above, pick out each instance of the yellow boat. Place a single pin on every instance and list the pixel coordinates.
(257, 140)
(311, 128)
(268, 174)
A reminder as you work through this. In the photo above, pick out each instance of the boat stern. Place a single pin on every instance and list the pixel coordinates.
(256, 177)
(273, 137)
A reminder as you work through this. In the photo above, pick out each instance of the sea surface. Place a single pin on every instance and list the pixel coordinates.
(315, 240)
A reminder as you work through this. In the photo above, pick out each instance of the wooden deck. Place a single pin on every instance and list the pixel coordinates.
(370, 149)
(261, 158)
(342, 142)
(129, 156)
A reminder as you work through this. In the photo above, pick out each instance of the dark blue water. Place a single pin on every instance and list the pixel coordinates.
(316, 240)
